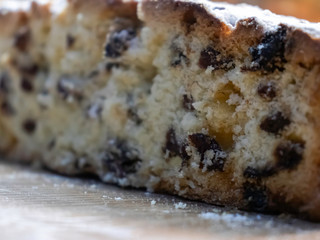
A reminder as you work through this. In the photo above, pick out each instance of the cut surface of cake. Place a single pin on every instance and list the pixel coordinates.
(208, 101)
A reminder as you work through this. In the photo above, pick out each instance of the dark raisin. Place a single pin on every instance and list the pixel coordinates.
(267, 91)
(189, 19)
(256, 196)
(255, 173)
(289, 155)
(179, 58)
(26, 85)
(30, 70)
(204, 143)
(22, 39)
(184, 155)
(110, 66)
(70, 41)
(133, 115)
(65, 88)
(187, 102)
(303, 65)
(51, 144)
(172, 146)
(210, 57)
(121, 159)
(275, 123)
(29, 126)
(78, 96)
(269, 54)
(62, 89)
(93, 74)
(7, 109)
(4, 83)
(118, 42)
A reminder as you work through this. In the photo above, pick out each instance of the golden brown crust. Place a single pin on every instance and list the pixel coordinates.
(186, 12)
(304, 9)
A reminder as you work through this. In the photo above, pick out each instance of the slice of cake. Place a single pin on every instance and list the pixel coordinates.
(208, 101)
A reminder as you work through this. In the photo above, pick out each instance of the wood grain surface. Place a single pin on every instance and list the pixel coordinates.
(39, 205)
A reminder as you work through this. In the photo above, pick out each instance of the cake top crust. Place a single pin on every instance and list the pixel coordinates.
(231, 14)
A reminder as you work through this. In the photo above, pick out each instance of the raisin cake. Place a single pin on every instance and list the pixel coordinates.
(208, 101)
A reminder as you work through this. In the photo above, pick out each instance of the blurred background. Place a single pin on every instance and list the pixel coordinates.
(305, 9)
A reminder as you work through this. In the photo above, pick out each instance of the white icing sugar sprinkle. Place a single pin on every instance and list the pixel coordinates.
(232, 219)
(224, 217)
(180, 205)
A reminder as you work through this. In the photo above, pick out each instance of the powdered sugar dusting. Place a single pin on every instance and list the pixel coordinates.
(224, 217)
(180, 205)
(228, 13)
(231, 15)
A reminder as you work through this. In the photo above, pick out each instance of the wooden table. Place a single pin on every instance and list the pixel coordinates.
(40, 205)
